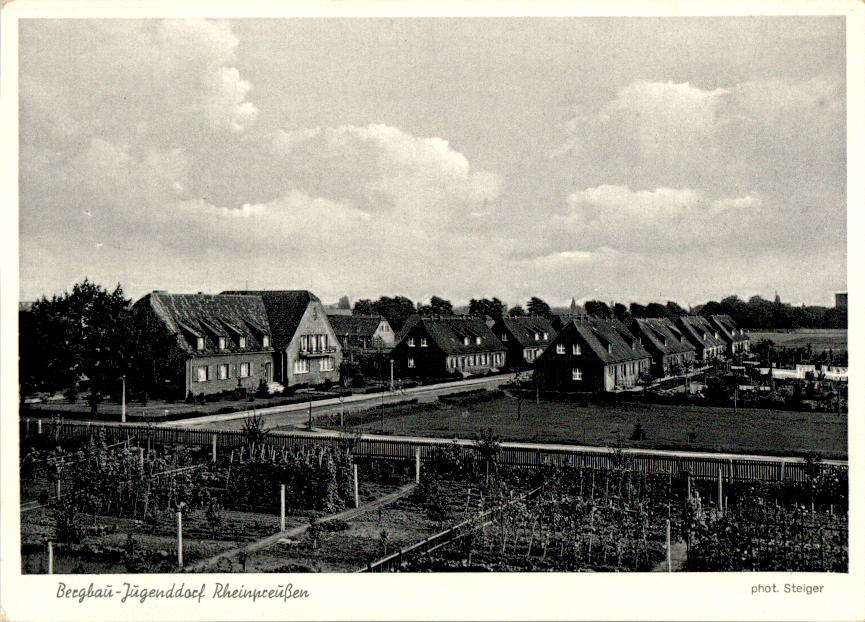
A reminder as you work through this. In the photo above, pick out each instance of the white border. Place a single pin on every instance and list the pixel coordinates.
(711, 596)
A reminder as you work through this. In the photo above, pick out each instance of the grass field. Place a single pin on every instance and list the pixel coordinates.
(670, 427)
(820, 339)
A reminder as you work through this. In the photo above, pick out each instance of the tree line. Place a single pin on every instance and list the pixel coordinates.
(755, 313)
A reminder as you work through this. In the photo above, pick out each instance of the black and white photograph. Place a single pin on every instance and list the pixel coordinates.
(527, 293)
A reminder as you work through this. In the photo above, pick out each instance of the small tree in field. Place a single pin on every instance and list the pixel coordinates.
(253, 429)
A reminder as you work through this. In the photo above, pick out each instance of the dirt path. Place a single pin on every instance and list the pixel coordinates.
(296, 531)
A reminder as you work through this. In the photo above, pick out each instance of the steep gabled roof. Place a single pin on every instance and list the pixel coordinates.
(357, 325)
(523, 329)
(662, 334)
(448, 334)
(608, 339)
(699, 331)
(727, 328)
(285, 308)
(192, 316)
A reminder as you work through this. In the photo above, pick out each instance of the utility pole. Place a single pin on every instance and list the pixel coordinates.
(309, 424)
(391, 375)
(179, 539)
(123, 400)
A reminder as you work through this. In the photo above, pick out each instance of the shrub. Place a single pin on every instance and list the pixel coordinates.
(190, 398)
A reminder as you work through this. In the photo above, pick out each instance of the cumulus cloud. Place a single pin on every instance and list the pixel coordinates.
(612, 217)
(389, 169)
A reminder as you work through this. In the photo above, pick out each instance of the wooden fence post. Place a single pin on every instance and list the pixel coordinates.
(39, 426)
(213, 449)
(356, 493)
(50, 557)
(720, 493)
(417, 465)
(179, 539)
(669, 552)
(282, 507)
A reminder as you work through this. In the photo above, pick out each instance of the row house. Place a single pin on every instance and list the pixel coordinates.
(306, 349)
(666, 343)
(362, 332)
(218, 343)
(436, 347)
(734, 338)
(592, 355)
(705, 337)
(525, 338)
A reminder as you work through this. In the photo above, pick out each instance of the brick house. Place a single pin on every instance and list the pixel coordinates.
(436, 347)
(592, 355)
(306, 350)
(703, 336)
(735, 339)
(524, 337)
(665, 342)
(221, 342)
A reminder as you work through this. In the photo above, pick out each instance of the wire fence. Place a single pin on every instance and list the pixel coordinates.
(789, 469)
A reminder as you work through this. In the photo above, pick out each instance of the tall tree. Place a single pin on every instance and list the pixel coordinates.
(598, 308)
(440, 306)
(675, 310)
(395, 310)
(516, 311)
(620, 312)
(364, 306)
(83, 339)
(655, 309)
(536, 306)
(637, 310)
(494, 308)
(343, 303)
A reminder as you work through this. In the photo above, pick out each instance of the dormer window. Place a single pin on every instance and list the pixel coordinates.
(265, 341)
(199, 343)
(241, 341)
(477, 340)
(537, 336)
(504, 337)
(575, 349)
(609, 348)
(466, 341)
(423, 342)
(560, 348)
(222, 343)
(546, 336)
(411, 342)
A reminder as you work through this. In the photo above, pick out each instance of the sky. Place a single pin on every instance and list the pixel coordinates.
(626, 159)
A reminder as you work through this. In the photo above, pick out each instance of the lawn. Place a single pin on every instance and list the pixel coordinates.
(820, 339)
(699, 428)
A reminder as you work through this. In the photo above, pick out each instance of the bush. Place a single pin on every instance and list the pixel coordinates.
(190, 398)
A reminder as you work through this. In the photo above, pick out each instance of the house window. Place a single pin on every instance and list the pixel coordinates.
(222, 343)
(609, 348)
(201, 373)
(301, 366)
(478, 340)
(537, 336)
(504, 337)
(199, 343)
(410, 362)
(546, 336)
(242, 341)
(560, 348)
(244, 370)
(575, 349)
(327, 363)
(265, 341)
(423, 343)
(411, 342)
(222, 372)
(466, 341)
(576, 373)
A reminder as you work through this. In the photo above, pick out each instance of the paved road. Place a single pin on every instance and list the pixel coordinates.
(293, 415)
